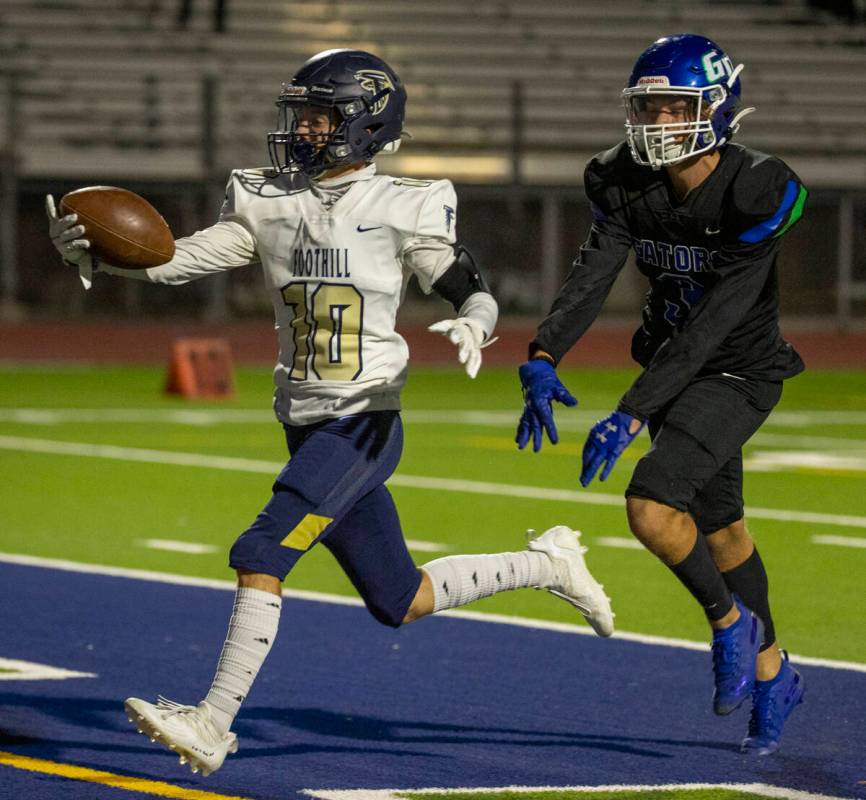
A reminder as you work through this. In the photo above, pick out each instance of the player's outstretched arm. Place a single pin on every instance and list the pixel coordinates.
(541, 386)
(68, 239)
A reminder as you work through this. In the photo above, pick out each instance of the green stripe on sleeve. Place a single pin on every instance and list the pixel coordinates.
(796, 212)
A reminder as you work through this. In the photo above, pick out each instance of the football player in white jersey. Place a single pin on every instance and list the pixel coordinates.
(337, 244)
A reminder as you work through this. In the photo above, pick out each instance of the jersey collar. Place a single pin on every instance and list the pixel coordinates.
(350, 177)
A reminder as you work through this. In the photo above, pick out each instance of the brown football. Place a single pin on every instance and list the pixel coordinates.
(123, 228)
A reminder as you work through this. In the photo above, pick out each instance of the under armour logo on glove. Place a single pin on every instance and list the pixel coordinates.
(605, 443)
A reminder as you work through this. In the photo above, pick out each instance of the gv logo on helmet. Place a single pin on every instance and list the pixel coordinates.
(716, 65)
(376, 81)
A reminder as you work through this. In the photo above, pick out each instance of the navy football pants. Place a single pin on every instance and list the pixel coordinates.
(332, 490)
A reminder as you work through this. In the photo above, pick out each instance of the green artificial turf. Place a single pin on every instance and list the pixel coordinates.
(101, 511)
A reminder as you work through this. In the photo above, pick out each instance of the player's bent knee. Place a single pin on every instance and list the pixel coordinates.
(649, 519)
(730, 546)
(735, 531)
(413, 601)
(254, 553)
(415, 612)
(392, 618)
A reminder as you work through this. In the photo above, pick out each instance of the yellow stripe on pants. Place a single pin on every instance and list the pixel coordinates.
(306, 532)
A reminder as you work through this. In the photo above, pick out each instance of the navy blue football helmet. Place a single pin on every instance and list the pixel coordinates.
(366, 103)
(676, 68)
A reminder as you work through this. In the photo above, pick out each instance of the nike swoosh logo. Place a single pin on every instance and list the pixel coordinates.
(364, 230)
(712, 233)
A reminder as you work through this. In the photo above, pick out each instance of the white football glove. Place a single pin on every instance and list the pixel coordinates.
(469, 337)
(66, 238)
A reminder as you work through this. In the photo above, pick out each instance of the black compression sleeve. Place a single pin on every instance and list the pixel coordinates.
(582, 295)
(700, 575)
(461, 280)
(749, 581)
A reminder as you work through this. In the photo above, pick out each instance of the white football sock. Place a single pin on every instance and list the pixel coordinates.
(252, 629)
(458, 580)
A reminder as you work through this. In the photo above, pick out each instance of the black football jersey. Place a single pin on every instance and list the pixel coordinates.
(712, 305)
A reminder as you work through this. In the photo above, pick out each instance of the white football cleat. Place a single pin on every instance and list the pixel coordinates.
(188, 730)
(572, 580)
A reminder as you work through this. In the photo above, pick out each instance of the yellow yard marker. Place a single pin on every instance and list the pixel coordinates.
(125, 782)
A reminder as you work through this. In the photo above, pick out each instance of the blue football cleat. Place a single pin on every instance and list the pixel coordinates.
(772, 703)
(735, 650)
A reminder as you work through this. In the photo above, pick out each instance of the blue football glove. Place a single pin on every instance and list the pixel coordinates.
(541, 387)
(605, 443)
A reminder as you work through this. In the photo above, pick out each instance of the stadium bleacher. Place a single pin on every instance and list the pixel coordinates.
(105, 88)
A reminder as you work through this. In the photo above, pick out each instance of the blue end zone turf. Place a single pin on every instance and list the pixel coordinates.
(345, 703)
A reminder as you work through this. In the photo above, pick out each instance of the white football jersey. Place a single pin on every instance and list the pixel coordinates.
(336, 261)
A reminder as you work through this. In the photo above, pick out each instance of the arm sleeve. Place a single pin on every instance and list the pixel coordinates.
(221, 247)
(429, 251)
(225, 245)
(482, 308)
(591, 277)
(742, 271)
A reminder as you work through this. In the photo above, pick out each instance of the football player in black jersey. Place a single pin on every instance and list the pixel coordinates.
(704, 218)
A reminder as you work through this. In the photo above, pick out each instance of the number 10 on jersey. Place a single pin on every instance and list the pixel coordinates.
(326, 330)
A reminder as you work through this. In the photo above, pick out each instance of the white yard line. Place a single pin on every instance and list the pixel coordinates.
(762, 789)
(504, 490)
(427, 547)
(175, 546)
(622, 542)
(767, 460)
(322, 597)
(147, 416)
(840, 541)
(566, 420)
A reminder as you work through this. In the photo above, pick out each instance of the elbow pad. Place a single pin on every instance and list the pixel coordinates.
(461, 280)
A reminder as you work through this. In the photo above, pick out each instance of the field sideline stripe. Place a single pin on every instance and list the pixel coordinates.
(125, 782)
(763, 789)
(336, 599)
(235, 464)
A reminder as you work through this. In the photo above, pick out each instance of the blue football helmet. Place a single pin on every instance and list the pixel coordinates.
(676, 68)
(366, 103)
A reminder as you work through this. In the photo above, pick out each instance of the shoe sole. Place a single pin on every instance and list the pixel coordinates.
(723, 711)
(552, 549)
(185, 756)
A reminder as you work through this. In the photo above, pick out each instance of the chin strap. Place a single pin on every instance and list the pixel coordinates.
(735, 124)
